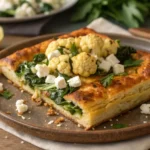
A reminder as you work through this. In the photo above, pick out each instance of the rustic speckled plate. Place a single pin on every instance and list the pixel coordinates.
(36, 122)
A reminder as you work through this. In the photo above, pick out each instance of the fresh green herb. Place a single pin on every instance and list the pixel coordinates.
(6, 94)
(7, 13)
(74, 50)
(132, 63)
(39, 58)
(124, 53)
(45, 87)
(107, 80)
(45, 7)
(61, 50)
(118, 126)
(64, 76)
(131, 13)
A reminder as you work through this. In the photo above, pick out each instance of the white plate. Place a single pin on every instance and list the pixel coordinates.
(68, 4)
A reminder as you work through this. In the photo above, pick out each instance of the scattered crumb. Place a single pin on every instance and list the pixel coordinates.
(7, 112)
(22, 142)
(46, 104)
(59, 120)
(117, 120)
(50, 122)
(110, 119)
(144, 122)
(29, 118)
(104, 127)
(6, 137)
(111, 125)
(79, 125)
(9, 81)
(51, 112)
(23, 117)
(22, 91)
(146, 116)
(29, 112)
(59, 125)
(93, 128)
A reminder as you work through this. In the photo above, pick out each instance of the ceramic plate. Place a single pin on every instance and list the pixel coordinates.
(36, 120)
(68, 4)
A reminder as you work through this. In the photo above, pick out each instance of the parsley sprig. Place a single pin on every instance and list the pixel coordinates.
(6, 94)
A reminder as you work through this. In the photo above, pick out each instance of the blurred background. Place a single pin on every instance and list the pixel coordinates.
(37, 17)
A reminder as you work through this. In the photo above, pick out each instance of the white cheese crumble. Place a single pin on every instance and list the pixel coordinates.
(50, 79)
(42, 70)
(145, 108)
(104, 65)
(118, 68)
(51, 122)
(21, 107)
(74, 82)
(60, 83)
(1, 87)
(5, 5)
(112, 59)
(53, 54)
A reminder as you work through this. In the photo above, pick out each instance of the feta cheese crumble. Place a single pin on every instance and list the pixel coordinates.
(74, 82)
(53, 54)
(42, 70)
(145, 108)
(21, 107)
(50, 79)
(118, 68)
(112, 59)
(60, 83)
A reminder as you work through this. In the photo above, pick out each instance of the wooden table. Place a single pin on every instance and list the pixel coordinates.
(7, 140)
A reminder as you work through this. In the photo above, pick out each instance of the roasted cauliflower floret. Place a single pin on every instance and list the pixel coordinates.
(90, 43)
(110, 47)
(84, 64)
(61, 64)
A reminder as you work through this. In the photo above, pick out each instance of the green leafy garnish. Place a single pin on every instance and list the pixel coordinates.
(7, 13)
(6, 94)
(107, 80)
(132, 63)
(124, 53)
(118, 126)
(131, 13)
(45, 7)
(39, 58)
(74, 50)
(61, 50)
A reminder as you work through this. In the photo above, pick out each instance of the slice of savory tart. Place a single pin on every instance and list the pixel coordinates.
(86, 76)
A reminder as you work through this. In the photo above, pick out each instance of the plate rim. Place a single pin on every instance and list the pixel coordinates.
(126, 131)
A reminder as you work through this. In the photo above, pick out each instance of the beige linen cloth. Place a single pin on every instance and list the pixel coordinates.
(143, 143)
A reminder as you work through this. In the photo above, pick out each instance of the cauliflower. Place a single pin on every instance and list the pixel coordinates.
(55, 3)
(61, 64)
(24, 11)
(90, 43)
(5, 5)
(84, 64)
(110, 47)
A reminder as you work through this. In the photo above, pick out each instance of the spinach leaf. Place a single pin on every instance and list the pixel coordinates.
(74, 50)
(132, 63)
(61, 50)
(7, 13)
(118, 126)
(124, 53)
(45, 7)
(6, 94)
(39, 58)
(45, 87)
(107, 80)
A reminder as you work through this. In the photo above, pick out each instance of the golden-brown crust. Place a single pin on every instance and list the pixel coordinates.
(26, 54)
(94, 92)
